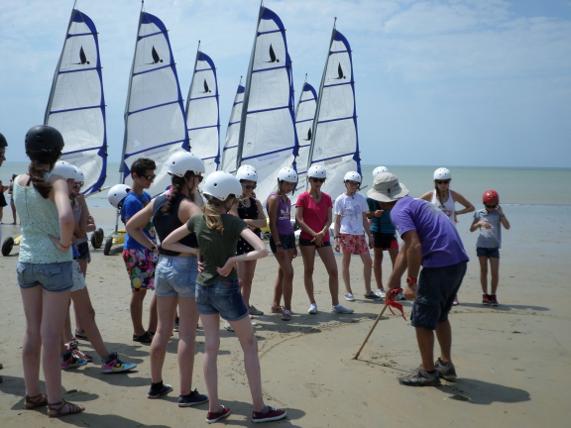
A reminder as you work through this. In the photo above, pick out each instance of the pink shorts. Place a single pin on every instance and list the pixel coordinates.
(354, 244)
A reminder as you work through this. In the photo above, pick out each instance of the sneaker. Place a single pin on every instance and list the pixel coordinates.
(381, 293)
(421, 377)
(212, 417)
(269, 414)
(193, 399)
(445, 370)
(340, 309)
(493, 300)
(145, 338)
(286, 315)
(71, 361)
(312, 309)
(486, 299)
(254, 311)
(349, 297)
(277, 309)
(73, 347)
(159, 390)
(372, 296)
(115, 365)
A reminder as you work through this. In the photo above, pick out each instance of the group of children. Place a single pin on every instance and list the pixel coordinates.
(198, 251)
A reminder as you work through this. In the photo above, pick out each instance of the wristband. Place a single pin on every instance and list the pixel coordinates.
(411, 281)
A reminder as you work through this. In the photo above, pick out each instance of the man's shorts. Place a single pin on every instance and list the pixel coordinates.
(288, 242)
(490, 253)
(140, 265)
(354, 244)
(223, 297)
(176, 276)
(81, 251)
(51, 276)
(437, 288)
(385, 241)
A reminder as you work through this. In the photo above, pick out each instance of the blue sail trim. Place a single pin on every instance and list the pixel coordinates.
(309, 88)
(268, 109)
(209, 158)
(77, 70)
(156, 33)
(66, 110)
(338, 84)
(233, 123)
(267, 153)
(81, 150)
(148, 149)
(204, 97)
(152, 107)
(279, 67)
(334, 157)
(69, 36)
(202, 127)
(339, 52)
(200, 70)
(337, 119)
(153, 69)
(307, 100)
(236, 103)
(304, 120)
(231, 147)
(261, 33)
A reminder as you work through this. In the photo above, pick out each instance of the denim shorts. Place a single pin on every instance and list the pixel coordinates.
(437, 288)
(51, 276)
(175, 276)
(77, 277)
(491, 253)
(223, 297)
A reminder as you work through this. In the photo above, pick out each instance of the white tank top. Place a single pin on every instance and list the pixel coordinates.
(448, 206)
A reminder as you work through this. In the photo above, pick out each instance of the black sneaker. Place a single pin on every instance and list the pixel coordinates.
(193, 399)
(421, 377)
(144, 338)
(159, 390)
(446, 370)
(269, 414)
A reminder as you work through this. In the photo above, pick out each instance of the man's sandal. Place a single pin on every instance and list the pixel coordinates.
(35, 401)
(63, 408)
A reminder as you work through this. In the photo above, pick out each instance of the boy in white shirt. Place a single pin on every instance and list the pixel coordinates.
(351, 225)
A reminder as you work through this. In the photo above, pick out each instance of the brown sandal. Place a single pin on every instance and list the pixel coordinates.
(63, 408)
(35, 401)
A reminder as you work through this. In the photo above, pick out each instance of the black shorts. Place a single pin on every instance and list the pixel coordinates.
(82, 252)
(243, 247)
(308, 243)
(490, 253)
(288, 242)
(437, 288)
(385, 241)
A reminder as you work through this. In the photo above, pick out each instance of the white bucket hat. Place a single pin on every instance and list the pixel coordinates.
(387, 188)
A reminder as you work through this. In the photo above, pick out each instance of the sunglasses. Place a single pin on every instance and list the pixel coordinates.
(352, 183)
(150, 177)
(249, 186)
(442, 181)
(318, 180)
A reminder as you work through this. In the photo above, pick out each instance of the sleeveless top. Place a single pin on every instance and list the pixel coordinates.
(165, 223)
(284, 216)
(38, 219)
(77, 217)
(250, 212)
(447, 207)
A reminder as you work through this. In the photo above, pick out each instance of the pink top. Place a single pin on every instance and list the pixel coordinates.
(315, 215)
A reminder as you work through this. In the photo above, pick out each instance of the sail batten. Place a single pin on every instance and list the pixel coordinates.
(76, 105)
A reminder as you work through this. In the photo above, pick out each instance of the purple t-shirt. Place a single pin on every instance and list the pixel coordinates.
(441, 244)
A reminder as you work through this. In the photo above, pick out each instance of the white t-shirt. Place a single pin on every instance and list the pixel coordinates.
(351, 209)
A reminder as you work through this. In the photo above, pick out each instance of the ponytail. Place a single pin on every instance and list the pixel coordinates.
(177, 183)
(37, 175)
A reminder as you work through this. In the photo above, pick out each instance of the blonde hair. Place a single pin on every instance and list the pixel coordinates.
(212, 212)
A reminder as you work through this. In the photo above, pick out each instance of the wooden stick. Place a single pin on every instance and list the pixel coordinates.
(371, 331)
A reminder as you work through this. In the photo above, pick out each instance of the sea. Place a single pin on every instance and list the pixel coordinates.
(537, 201)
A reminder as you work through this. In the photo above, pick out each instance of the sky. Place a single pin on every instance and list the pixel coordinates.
(442, 82)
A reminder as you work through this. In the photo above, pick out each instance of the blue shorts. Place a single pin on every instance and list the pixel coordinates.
(175, 276)
(51, 276)
(223, 297)
(437, 288)
(287, 241)
(490, 253)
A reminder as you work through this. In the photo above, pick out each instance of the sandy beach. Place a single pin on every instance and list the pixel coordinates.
(513, 361)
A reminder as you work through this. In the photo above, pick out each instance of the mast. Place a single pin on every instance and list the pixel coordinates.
(189, 92)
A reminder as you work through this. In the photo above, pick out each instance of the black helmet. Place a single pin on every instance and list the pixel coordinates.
(44, 143)
(3, 142)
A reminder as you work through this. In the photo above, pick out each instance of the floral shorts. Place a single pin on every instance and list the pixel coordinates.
(354, 244)
(140, 265)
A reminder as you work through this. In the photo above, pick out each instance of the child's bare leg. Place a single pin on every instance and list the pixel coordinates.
(495, 270)
(346, 261)
(367, 265)
(484, 274)
(378, 267)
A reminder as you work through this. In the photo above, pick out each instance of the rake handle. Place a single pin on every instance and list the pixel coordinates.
(371, 331)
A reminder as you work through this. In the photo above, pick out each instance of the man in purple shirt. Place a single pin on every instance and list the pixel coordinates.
(431, 240)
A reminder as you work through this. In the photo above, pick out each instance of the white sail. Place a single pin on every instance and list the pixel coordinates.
(76, 105)
(202, 113)
(335, 136)
(154, 115)
(304, 116)
(230, 151)
(268, 139)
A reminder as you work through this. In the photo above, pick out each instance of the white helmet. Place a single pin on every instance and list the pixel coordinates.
(442, 174)
(179, 163)
(80, 176)
(117, 193)
(287, 174)
(64, 170)
(220, 185)
(379, 170)
(247, 172)
(317, 171)
(352, 176)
